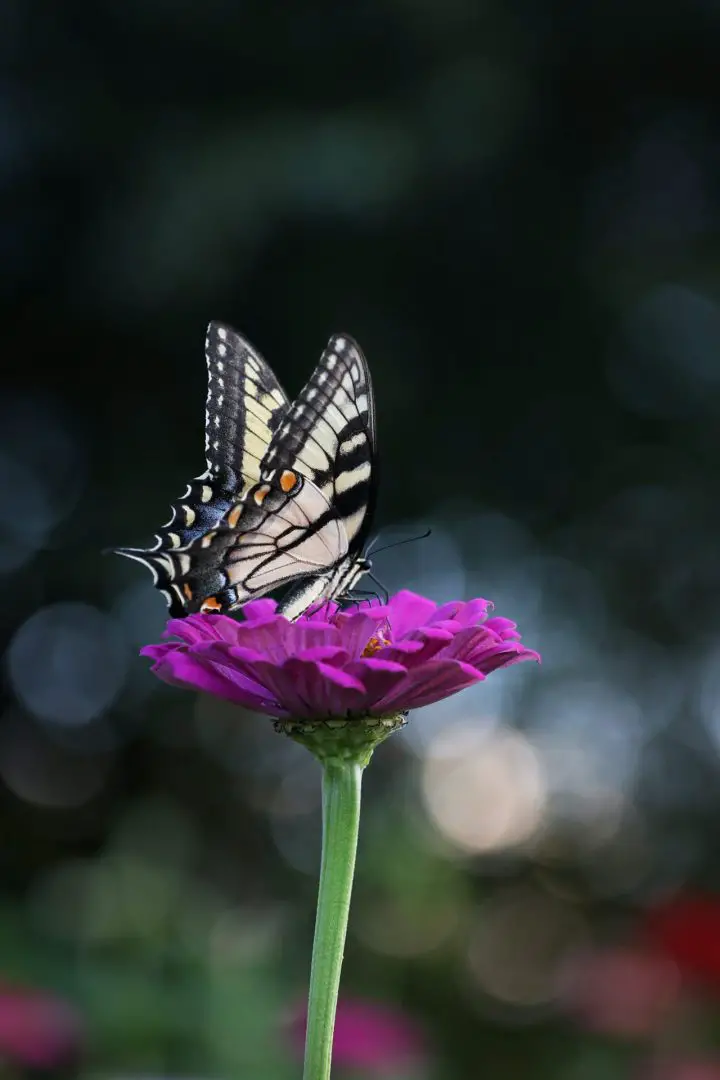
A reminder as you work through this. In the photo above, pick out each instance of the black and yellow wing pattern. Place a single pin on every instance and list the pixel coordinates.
(245, 406)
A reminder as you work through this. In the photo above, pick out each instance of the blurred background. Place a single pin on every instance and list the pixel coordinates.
(515, 208)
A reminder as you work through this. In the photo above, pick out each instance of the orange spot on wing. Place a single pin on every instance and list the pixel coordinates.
(211, 604)
(187, 592)
(234, 515)
(261, 494)
(288, 480)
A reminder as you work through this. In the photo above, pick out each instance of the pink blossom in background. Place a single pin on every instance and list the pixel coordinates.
(38, 1030)
(376, 1038)
(626, 992)
(683, 1069)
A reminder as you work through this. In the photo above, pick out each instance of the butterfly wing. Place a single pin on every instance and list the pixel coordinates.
(245, 406)
(309, 515)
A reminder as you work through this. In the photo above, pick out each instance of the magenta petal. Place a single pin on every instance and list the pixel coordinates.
(487, 652)
(221, 653)
(357, 629)
(333, 655)
(280, 685)
(407, 611)
(220, 627)
(229, 668)
(509, 654)
(471, 641)
(267, 637)
(504, 628)
(262, 609)
(191, 630)
(435, 680)
(446, 612)
(181, 669)
(311, 635)
(158, 652)
(378, 677)
(320, 689)
(420, 646)
(472, 612)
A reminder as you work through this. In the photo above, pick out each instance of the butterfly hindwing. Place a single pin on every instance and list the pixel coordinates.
(309, 515)
(245, 406)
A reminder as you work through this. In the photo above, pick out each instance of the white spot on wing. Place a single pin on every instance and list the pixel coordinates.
(353, 443)
(352, 477)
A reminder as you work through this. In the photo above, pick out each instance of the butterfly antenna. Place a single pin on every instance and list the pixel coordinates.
(371, 545)
(399, 543)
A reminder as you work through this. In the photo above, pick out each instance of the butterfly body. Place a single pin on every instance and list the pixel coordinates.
(288, 497)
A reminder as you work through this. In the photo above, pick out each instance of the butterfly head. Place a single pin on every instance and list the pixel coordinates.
(354, 572)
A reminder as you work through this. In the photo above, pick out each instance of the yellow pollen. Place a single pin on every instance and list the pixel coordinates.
(377, 641)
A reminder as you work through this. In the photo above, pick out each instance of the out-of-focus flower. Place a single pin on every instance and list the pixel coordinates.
(683, 1069)
(364, 660)
(37, 1030)
(626, 992)
(371, 1037)
(687, 930)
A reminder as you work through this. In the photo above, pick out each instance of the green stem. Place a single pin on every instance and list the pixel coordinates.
(342, 782)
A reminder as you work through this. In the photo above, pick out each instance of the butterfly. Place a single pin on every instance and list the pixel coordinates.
(289, 492)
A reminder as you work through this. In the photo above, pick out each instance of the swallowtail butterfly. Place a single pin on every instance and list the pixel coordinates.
(289, 491)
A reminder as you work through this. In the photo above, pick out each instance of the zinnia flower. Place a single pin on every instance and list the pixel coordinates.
(366, 660)
(376, 1039)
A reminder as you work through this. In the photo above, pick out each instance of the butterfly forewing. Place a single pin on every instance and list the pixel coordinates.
(328, 433)
(245, 405)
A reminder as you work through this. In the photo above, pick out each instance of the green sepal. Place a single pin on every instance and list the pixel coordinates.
(342, 739)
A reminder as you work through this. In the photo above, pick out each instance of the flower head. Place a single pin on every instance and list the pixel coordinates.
(375, 1038)
(369, 660)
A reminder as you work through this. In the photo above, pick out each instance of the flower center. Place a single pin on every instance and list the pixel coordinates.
(378, 641)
